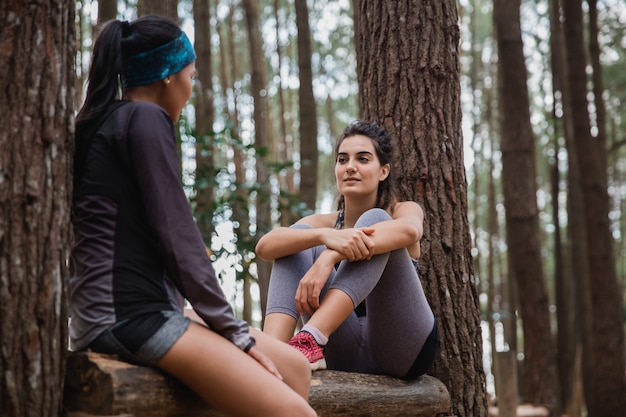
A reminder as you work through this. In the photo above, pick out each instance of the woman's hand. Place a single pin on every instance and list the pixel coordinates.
(265, 361)
(355, 243)
(310, 287)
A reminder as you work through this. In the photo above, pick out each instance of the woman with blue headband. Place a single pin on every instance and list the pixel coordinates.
(351, 274)
(137, 252)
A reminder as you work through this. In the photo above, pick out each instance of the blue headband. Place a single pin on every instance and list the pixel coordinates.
(159, 63)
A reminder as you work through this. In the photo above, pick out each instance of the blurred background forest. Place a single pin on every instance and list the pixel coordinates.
(244, 177)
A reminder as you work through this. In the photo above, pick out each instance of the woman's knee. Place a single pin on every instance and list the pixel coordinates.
(300, 226)
(371, 217)
(293, 366)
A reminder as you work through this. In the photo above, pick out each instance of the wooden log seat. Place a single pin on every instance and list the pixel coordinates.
(101, 385)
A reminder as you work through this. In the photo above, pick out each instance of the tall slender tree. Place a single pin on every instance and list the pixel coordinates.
(285, 142)
(603, 354)
(568, 342)
(258, 86)
(205, 115)
(603, 336)
(307, 109)
(598, 86)
(409, 81)
(107, 10)
(241, 202)
(520, 201)
(37, 102)
(168, 8)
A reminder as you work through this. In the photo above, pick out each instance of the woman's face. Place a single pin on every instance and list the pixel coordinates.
(357, 168)
(178, 91)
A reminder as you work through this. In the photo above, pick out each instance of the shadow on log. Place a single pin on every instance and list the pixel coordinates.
(101, 385)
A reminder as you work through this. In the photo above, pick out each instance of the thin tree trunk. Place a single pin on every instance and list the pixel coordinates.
(261, 131)
(603, 349)
(167, 8)
(598, 87)
(567, 340)
(205, 114)
(307, 110)
(493, 234)
(409, 82)
(241, 202)
(538, 381)
(107, 10)
(284, 145)
(37, 107)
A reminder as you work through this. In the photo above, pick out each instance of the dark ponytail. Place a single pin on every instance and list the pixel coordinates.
(117, 41)
(104, 72)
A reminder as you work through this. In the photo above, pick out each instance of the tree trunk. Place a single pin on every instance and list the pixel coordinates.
(37, 108)
(565, 287)
(408, 73)
(261, 133)
(307, 110)
(603, 354)
(241, 204)
(167, 8)
(205, 114)
(107, 10)
(285, 151)
(538, 381)
(598, 87)
(494, 260)
(99, 385)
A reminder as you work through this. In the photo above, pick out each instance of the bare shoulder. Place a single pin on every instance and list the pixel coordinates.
(320, 220)
(408, 208)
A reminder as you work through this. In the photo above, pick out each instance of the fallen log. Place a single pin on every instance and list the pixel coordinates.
(101, 385)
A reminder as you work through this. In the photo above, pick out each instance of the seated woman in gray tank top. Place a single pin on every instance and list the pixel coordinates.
(351, 275)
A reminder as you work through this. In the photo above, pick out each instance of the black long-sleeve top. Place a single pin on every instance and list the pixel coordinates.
(137, 248)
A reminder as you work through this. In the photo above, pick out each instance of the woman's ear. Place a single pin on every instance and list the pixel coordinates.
(384, 172)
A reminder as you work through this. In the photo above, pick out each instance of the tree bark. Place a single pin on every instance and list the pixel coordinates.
(37, 107)
(307, 110)
(205, 114)
(538, 383)
(100, 384)
(566, 273)
(603, 337)
(167, 8)
(598, 87)
(258, 86)
(408, 73)
(107, 10)
(284, 143)
(241, 202)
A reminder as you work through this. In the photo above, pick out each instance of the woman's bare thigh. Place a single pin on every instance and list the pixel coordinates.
(229, 379)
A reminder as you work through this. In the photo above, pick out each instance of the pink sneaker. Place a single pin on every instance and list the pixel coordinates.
(305, 343)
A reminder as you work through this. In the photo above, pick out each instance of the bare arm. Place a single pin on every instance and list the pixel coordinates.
(353, 244)
(284, 241)
(405, 230)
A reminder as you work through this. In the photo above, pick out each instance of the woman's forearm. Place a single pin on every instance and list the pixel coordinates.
(393, 234)
(285, 241)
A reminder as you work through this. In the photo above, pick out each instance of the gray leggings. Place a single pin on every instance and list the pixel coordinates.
(398, 322)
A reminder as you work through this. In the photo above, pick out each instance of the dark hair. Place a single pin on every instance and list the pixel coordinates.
(119, 40)
(386, 195)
